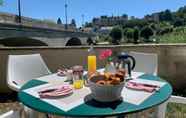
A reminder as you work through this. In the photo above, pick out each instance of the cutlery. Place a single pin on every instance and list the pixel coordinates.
(142, 87)
(143, 84)
(48, 90)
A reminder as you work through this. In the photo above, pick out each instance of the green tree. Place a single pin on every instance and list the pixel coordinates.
(49, 21)
(178, 22)
(129, 33)
(168, 15)
(182, 9)
(73, 22)
(136, 35)
(88, 24)
(116, 34)
(125, 16)
(1, 2)
(132, 35)
(146, 32)
(59, 21)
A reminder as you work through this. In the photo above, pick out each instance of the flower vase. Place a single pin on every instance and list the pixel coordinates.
(109, 67)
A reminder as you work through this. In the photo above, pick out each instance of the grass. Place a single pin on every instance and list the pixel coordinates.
(175, 110)
(8, 101)
(175, 37)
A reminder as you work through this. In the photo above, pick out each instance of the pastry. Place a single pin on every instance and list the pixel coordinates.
(101, 82)
(107, 75)
(115, 81)
(108, 78)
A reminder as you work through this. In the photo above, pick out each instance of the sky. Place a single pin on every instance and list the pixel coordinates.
(53, 9)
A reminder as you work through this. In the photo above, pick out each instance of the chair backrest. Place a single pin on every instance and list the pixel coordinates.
(22, 68)
(145, 62)
(10, 114)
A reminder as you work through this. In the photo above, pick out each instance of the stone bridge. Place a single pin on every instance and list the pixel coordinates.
(48, 36)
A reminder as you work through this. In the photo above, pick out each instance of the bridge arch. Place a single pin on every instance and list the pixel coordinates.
(90, 41)
(21, 41)
(74, 41)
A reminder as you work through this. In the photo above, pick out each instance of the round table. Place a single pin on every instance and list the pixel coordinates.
(93, 108)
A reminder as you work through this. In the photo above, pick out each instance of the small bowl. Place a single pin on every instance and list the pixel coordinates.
(105, 93)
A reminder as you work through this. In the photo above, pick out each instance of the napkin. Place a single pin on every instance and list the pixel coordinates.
(55, 91)
(141, 86)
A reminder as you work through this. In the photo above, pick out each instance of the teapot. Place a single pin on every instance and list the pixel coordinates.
(126, 59)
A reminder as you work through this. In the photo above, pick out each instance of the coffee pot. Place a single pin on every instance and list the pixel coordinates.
(124, 60)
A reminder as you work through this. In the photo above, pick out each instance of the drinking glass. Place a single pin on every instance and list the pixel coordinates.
(77, 81)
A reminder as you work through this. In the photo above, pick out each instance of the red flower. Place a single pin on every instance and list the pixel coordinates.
(105, 54)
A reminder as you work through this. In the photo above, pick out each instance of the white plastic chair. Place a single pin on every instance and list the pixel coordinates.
(22, 68)
(145, 62)
(10, 114)
(148, 63)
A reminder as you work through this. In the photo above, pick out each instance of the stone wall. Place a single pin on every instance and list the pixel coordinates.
(171, 59)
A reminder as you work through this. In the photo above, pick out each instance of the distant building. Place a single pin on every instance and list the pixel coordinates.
(132, 18)
(87, 29)
(153, 17)
(105, 21)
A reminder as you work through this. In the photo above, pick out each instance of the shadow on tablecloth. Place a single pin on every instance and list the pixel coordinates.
(92, 102)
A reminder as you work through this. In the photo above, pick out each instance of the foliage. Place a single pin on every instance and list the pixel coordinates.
(1, 2)
(178, 22)
(146, 32)
(116, 34)
(152, 27)
(165, 30)
(59, 21)
(129, 34)
(49, 21)
(178, 36)
(125, 16)
(136, 35)
(88, 24)
(164, 24)
(73, 22)
(176, 110)
(166, 15)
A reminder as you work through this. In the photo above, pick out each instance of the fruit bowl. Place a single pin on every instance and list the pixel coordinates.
(106, 87)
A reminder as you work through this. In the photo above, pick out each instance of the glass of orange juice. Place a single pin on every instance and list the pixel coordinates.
(91, 64)
(77, 82)
(78, 77)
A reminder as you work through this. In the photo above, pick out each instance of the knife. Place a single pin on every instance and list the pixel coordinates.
(148, 85)
(48, 90)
